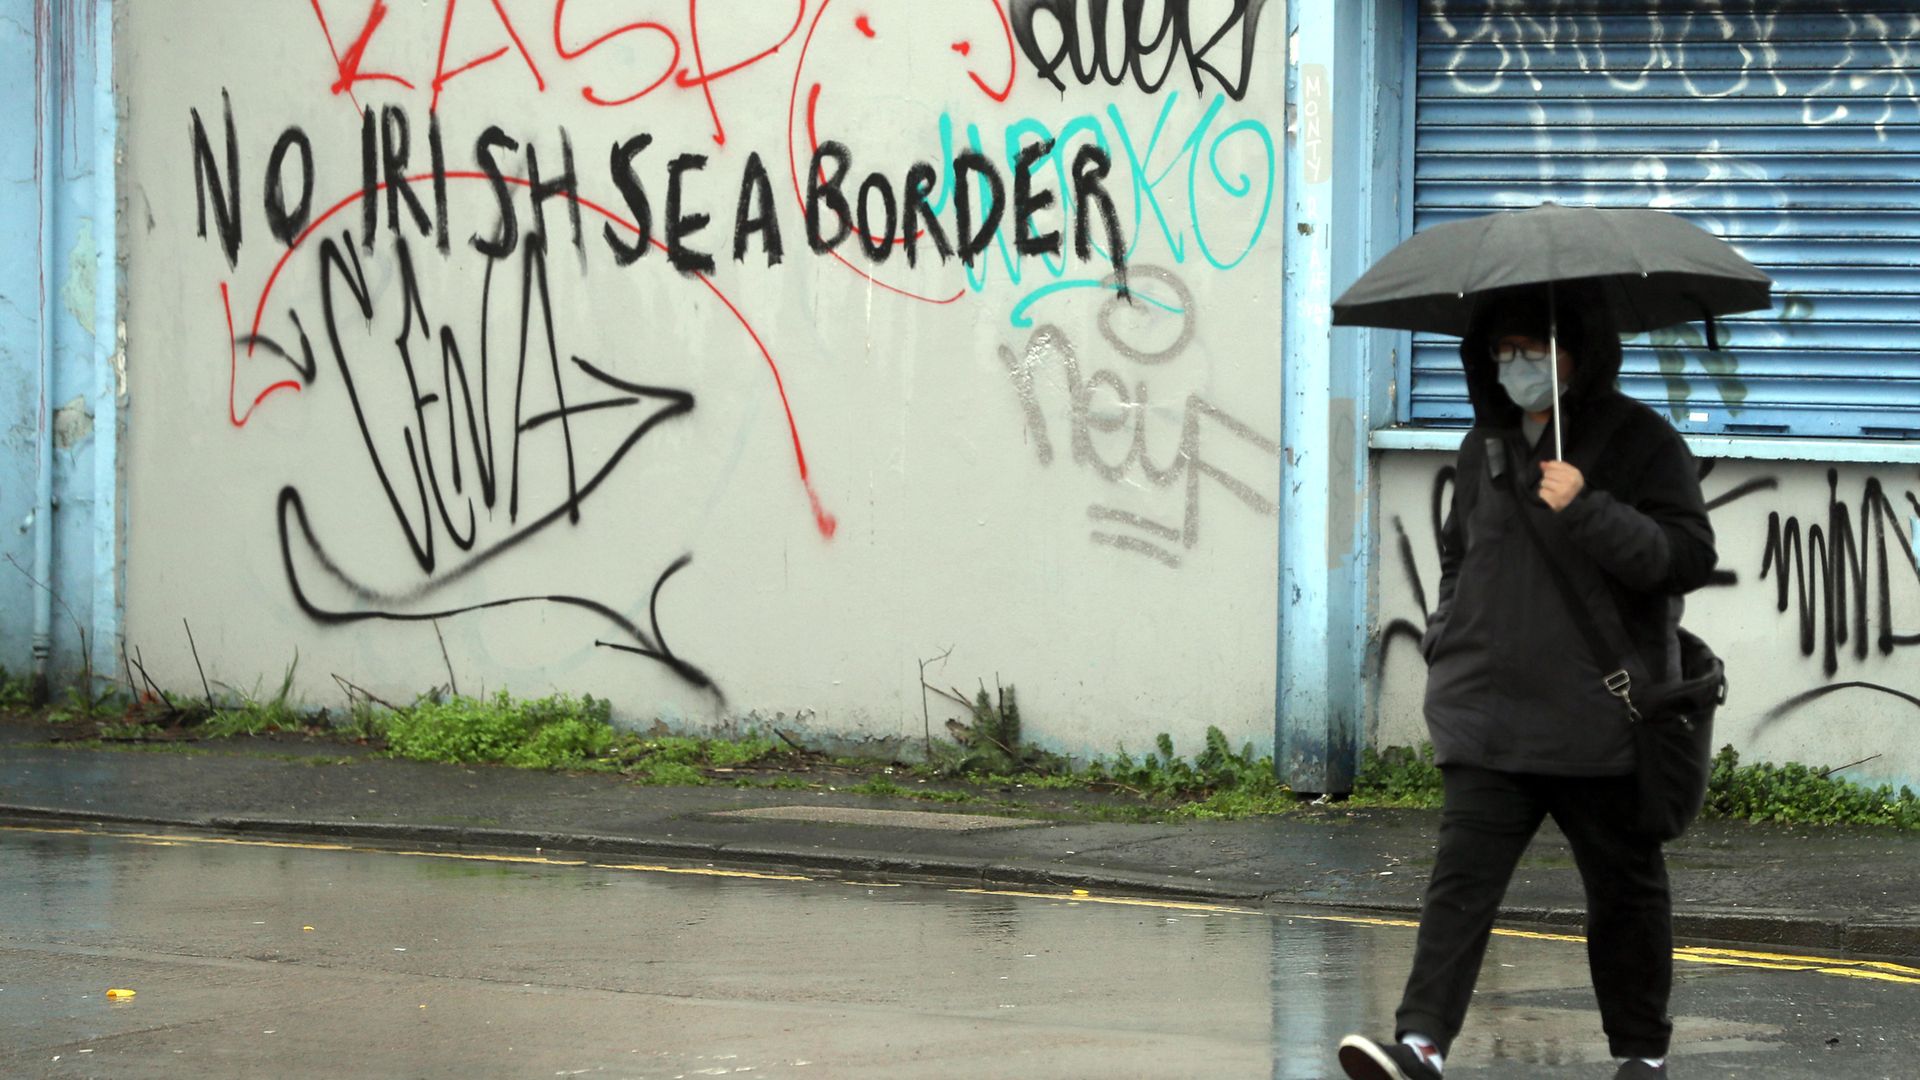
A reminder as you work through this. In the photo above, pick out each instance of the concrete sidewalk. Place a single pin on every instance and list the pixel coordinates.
(1830, 889)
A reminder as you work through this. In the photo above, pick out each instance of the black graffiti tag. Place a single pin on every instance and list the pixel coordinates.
(450, 401)
(1086, 45)
(1828, 561)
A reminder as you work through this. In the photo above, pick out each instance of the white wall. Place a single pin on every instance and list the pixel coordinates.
(1113, 555)
(1809, 681)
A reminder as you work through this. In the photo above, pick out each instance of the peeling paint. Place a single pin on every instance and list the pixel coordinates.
(72, 424)
(82, 269)
(1345, 494)
(120, 361)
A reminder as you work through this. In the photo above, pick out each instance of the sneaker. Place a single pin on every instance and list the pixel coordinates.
(1365, 1059)
(1635, 1069)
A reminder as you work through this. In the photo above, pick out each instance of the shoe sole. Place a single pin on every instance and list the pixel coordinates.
(1363, 1061)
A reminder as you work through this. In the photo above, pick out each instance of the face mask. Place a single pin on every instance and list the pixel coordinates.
(1529, 383)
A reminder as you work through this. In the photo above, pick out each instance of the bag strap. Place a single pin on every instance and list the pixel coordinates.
(1605, 635)
(1605, 638)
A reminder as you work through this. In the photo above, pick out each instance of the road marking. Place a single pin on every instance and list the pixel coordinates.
(1874, 970)
(1117, 901)
(704, 871)
(174, 839)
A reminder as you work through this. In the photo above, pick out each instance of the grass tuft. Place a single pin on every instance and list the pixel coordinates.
(555, 732)
(1789, 794)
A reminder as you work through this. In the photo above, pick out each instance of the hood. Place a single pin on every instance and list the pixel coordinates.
(1587, 330)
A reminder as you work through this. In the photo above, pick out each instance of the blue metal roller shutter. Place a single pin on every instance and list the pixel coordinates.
(1792, 129)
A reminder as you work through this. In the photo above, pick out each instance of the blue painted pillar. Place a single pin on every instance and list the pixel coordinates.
(1346, 132)
(59, 375)
(20, 344)
(101, 373)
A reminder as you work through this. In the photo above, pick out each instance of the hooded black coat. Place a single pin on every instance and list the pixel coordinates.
(1512, 685)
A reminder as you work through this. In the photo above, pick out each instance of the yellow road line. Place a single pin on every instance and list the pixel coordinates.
(704, 871)
(175, 839)
(1874, 970)
(1117, 901)
(1874, 965)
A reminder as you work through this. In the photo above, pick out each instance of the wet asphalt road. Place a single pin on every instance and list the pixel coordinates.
(255, 959)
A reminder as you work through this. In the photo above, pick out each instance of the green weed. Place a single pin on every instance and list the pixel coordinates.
(554, 732)
(1219, 783)
(16, 692)
(667, 749)
(778, 783)
(992, 743)
(668, 774)
(679, 759)
(1397, 776)
(161, 747)
(365, 720)
(131, 731)
(880, 785)
(1798, 795)
(1792, 793)
(565, 743)
(1229, 803)
(255, 715)
(749, 749)
(249, 719)
(1125, 813)
(87, 703)
(939, 795)
(886, 787)
(1037, 782)
(1163, 774)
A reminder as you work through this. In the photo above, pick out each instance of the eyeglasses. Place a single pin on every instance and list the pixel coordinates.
(1507, 354)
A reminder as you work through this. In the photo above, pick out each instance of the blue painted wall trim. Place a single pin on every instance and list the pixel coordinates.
(59, 296)
(103, 369)
(1345, 205)
(1304, 731)
(19, 328)
(1848, 451)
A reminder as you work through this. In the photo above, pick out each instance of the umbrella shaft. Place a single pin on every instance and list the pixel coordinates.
(1553, 364)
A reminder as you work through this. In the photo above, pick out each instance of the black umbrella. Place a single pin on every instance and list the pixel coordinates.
(1653, 268)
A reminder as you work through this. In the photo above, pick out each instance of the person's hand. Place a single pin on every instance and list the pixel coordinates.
(1560, 484)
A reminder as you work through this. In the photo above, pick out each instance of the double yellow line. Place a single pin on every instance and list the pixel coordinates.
(176, 839)
(1875, 970)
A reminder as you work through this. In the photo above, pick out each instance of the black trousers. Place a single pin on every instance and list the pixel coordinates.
(1486, 823)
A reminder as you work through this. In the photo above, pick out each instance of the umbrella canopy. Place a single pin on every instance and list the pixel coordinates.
(1655, 269)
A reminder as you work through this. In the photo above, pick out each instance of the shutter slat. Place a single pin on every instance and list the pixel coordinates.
(1624, 24)
(1839, 80)
(1624, 62)
(1692, 168)
(1735, 225)
(1860, 196)
(1748, 140)
(1677, 110)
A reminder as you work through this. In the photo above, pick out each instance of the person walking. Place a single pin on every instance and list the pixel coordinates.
(1522, 725)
